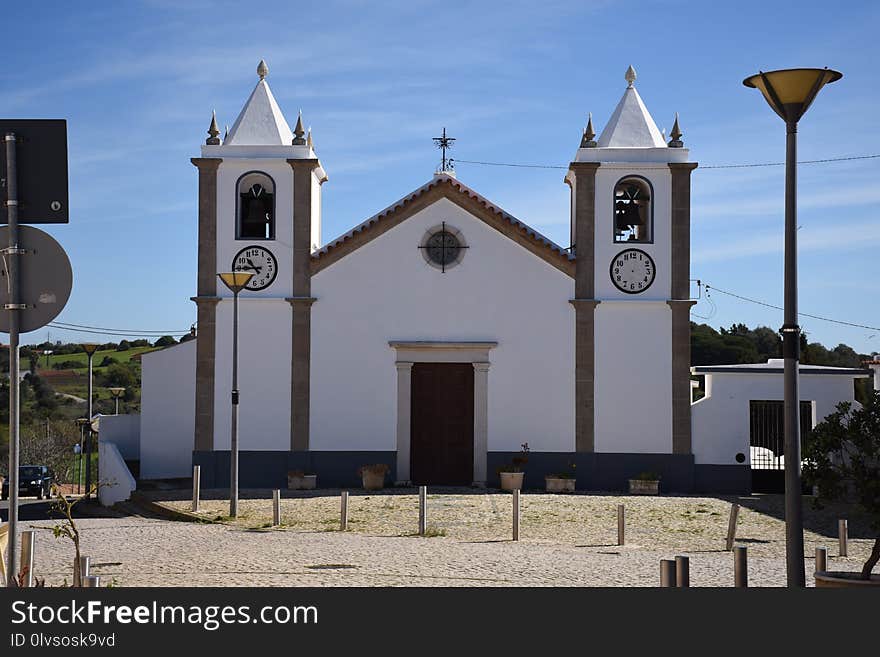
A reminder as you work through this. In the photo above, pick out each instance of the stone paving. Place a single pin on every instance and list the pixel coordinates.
(566, 540)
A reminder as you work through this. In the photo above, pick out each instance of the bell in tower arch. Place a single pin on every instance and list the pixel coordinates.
(256, 208)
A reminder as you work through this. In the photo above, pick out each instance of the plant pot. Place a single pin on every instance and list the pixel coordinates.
(840, 580)
(644, 487)
(373, 480)
(301, 482)
(559, 484)
(512, 480)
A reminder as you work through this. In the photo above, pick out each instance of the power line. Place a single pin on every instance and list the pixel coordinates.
(123, 334)
(107, 328)
(707, 166)
(770, 305)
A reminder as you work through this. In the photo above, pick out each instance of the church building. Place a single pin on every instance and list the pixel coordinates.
(442, 334)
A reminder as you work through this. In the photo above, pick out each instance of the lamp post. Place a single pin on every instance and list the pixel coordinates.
(90, 348)
(236, 282)
(117, 394)
(81, 422)
(789, 93)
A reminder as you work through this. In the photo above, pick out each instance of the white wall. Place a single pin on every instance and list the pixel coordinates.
(499, 292)
(114, 479)
(124, 431)
(264, 350)
(720, 421)
(168, 411)
(633, 380)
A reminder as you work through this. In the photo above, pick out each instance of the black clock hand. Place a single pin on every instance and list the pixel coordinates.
(254, 267)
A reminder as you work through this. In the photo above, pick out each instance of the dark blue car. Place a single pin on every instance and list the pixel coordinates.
(32, 480)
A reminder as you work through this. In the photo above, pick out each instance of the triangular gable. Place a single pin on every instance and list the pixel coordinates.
(447, 187)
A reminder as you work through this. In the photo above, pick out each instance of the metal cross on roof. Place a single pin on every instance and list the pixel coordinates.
(443, 142)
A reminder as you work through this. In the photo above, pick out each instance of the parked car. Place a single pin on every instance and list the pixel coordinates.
(32, 480)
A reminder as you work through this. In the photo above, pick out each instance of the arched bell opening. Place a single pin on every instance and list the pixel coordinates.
(256, 207)
(633, 211)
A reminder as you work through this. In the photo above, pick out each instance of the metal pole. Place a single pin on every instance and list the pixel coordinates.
(667, 573)
(79, 464)
(27, 556)
(821, 559)
(740, 567)
(233, 454)
(84, 563)
(842, 537)
(343, 519)
(92, 582)
(621, 525)
(731, 525)
(794, 524)
(90, 355)
(117, 404)
(682, 572)
(423, 510)
(11, 256)
(516, 514)
(197, 485)
(276, 508)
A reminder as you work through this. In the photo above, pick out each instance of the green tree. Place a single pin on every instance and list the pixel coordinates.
(165, 341)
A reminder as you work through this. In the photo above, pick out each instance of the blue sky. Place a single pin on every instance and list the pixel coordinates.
(513, 81)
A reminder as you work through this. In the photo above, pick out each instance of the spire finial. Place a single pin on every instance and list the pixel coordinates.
(309, 141)
(588, 141)
(298, 131)
(213, 132)
(262, 69)
(630, 76)
(676, 134)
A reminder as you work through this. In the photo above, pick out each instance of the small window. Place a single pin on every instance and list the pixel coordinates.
(443, 247)
(256, 207)
(633, 213)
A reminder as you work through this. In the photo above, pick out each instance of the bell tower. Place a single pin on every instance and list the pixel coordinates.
(259, 211)
(630, 226)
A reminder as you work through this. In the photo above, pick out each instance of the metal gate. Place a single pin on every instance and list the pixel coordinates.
(767, 442)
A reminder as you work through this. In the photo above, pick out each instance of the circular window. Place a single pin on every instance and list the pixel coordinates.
(443, 247)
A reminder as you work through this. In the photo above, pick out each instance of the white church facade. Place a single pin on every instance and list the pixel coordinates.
(441, 334)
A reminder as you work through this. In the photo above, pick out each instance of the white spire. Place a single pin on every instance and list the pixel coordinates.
(631, 125)
(261, 122)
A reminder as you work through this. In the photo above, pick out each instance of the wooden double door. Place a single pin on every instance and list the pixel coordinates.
(442, 424)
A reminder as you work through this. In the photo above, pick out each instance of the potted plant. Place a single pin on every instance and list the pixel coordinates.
(511, 474)
(373, 475)
(841, 460)
(300, 480)
(645, 483)
(562, 482)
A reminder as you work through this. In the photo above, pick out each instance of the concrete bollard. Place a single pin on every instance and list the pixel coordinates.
(276, 508)
(682, 572)
(423, 510)
(731, 525)
(667, 573)
(842, 537)
(516, 514)
(197, 483)
(343, 521)
(621, 525)
(26, 564)
(821, 559)
(84, 563)
(92, 582)
(740, 566)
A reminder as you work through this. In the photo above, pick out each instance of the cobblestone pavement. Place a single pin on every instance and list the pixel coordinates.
(565, 541)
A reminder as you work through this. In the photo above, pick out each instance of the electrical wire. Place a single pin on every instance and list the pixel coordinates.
(706, 166)
(120, 331)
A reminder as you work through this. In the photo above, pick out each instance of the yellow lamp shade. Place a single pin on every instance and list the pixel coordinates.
(791, 91)
(236, 280)
(90, 347)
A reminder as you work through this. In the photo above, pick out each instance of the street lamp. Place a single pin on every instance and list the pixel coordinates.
(789, 93)
(81, 422)
(90, 348)
(236, 282)
(116, 393)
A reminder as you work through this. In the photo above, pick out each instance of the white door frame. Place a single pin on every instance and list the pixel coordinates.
(407, 353)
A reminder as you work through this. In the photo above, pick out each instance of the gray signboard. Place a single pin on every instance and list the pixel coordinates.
(41, 154)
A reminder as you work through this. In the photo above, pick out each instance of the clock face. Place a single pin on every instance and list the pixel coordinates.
(260, 262)
(632, 271)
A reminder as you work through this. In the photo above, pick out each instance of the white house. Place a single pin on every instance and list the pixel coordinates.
(441, 334)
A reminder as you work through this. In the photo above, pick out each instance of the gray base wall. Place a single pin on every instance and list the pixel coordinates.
(594, 471)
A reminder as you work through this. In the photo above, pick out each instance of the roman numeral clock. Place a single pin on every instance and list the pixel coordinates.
(261, 262)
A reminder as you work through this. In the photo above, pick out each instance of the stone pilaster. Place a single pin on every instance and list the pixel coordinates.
(583, 182)
(681, 228)
(681, 375)
(301, 303)
(206, 303)
(404, 418)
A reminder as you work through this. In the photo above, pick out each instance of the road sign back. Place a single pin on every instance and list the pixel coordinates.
(41, 160)
(45, 279)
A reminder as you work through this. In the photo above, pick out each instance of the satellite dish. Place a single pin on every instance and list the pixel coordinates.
(44, 275)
